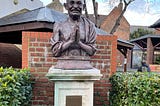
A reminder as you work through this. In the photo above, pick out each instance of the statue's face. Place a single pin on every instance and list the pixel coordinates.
(74, 8)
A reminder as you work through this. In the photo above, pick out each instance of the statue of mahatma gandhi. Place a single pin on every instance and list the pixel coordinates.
(74, 39)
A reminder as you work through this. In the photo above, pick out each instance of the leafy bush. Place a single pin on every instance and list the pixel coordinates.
(135, 89)
(139, 32)
(15, 87)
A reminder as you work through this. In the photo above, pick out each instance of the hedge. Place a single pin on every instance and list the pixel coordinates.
(15, 87)
(135, 89)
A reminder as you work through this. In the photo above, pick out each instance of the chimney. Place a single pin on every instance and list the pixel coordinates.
(56, 5)
(120, 6)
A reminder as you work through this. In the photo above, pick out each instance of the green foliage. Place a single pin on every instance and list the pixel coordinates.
(157, 60)
(139, 32)
(15, 87)
(135, 89)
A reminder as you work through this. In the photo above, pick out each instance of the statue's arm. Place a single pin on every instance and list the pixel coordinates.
(59, 42)
(55, 41)
(89, 46)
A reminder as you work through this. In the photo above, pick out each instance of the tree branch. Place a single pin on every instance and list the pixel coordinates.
(117, 23)
(95, 11)
(85, 9)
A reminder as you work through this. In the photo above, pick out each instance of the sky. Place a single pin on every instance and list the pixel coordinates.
(139, 12)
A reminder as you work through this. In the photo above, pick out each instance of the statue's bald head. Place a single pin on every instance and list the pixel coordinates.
(67, 1)
(74, 8)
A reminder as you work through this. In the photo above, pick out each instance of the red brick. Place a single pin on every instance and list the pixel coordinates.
(32, 39)
(37, 54)
(42, 44)
(40, 50)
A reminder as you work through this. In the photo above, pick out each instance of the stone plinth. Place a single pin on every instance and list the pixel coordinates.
(75, 84)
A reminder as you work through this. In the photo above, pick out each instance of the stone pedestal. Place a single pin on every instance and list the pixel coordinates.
(73, 86)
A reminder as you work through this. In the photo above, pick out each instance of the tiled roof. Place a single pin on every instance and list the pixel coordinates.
(156, 24)
(145, 37)
(142, 41)
(42, 14)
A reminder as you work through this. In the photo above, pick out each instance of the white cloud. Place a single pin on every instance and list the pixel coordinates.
(144, 19)
(133, 17)
(103, 7)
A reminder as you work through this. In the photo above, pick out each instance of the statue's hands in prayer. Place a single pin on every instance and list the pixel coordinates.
(72, 36)
(73, 39)
(75, 35)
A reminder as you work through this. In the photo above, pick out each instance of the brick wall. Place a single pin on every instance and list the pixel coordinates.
(37, 56)
(105, 60)
(154, 67)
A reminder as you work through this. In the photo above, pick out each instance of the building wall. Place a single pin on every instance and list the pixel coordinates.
(123, 30)
(10, 7)
(36, 55)
(157, 31)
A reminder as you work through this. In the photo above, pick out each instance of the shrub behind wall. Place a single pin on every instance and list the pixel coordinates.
(15, 87)
(135, 89)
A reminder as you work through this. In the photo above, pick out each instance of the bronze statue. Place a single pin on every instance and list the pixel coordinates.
(74, 39)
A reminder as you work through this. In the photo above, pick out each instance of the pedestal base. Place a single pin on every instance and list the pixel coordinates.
(64, 90)
(73, 86)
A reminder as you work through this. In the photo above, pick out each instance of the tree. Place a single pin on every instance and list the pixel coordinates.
(139, 32)
(117, 23)
(85, 9)
(95, 6)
